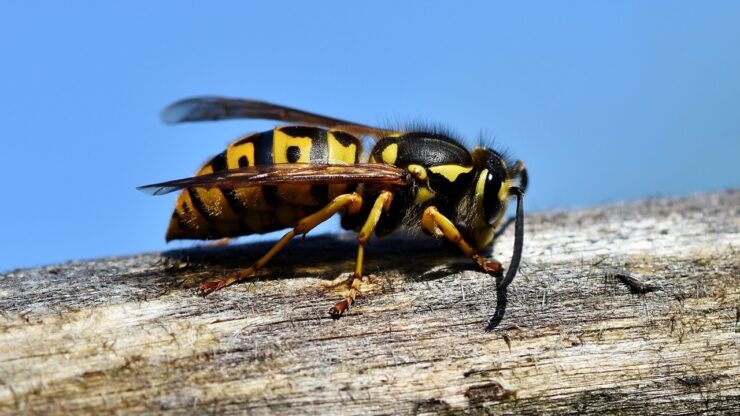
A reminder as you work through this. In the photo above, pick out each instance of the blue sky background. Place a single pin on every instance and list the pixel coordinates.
(605, 101)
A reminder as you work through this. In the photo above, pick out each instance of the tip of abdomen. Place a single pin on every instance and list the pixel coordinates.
(180, 229)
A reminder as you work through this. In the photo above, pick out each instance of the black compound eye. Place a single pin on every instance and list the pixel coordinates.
(491, 203)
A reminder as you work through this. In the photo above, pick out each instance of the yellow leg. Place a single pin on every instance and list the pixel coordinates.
(353, 203)
(440, 226)
(382, 204)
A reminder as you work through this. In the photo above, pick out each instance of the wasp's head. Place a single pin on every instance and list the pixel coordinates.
(492, 192)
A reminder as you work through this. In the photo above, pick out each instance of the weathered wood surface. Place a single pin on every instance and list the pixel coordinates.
(130, 335)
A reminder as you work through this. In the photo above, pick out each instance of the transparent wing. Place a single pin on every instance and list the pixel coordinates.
(286, 173)
(222, 108)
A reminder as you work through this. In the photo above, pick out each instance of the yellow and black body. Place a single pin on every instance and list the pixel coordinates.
(297, 176)
(215, 213)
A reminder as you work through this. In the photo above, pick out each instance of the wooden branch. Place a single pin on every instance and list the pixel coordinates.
(631, 308)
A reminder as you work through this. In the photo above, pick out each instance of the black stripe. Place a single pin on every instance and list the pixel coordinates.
(198, 203)
(302, 131)
(377, 151)
(263, 148)
(319, 147)
(246, 139)
(218, 163)
(293, 154)
(243, 161)
(180, 222)
(318, 136)
(345, 139)
(186, 209)
(233, 200)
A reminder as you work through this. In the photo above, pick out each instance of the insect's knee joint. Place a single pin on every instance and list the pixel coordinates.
(362, 238)
(354, 204)
(302, 228)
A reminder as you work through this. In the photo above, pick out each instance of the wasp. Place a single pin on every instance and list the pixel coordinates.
(297, 176)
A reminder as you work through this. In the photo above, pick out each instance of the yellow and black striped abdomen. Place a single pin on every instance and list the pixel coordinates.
(216, 213)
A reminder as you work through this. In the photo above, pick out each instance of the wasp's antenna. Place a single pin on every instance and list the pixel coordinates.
(498, 315)
(516, 258)
(519, 170)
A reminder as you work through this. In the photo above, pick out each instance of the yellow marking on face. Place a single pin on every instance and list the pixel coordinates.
(423, 195)
(480, 186)
(451, 172)
(483, 233)
(340, 153)
(418, 172)
(281, 142)
(503, 196)
(390, 153)
(503, 193)
(234, 153)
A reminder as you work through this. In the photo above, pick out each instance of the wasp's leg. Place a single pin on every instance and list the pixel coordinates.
(353, 203)
(382, 203)
(440, 226)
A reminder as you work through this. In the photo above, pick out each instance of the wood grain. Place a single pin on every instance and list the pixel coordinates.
(130, 335)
